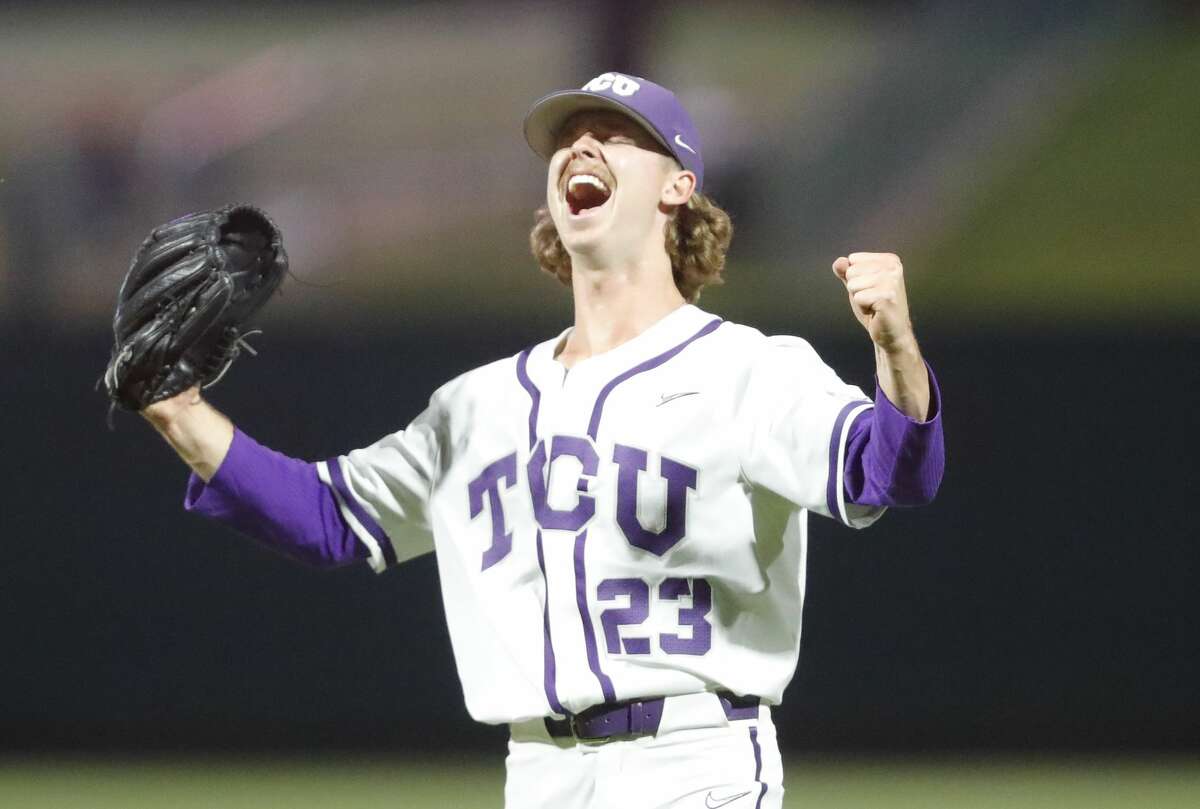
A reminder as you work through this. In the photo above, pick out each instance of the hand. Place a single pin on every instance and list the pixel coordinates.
(875, 283)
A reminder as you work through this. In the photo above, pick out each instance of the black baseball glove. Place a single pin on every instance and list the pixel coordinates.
(191, 287)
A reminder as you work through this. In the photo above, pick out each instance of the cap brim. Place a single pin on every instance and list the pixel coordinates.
(550, 113)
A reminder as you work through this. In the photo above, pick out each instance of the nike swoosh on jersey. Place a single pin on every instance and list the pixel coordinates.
(679, 142)
(668, 397)
(716, 803)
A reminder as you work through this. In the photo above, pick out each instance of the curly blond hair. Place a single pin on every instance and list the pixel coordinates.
(697, 238)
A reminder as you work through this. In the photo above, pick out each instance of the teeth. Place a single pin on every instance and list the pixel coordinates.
(590, 179)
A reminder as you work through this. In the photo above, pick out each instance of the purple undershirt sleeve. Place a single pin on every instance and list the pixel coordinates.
(277, 500)
(893, 460)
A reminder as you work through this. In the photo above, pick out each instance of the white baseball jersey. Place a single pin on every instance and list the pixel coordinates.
(631, 527)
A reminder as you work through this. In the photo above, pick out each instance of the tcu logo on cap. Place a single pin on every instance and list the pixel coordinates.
(618, 83)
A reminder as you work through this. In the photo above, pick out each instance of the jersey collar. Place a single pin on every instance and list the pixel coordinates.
(664, 334)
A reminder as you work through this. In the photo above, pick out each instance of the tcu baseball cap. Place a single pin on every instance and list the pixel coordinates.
(654, 107)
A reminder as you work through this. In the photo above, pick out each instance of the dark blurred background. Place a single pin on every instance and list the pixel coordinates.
(1033, 163)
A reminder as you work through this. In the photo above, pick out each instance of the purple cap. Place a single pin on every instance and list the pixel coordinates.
(654, 107)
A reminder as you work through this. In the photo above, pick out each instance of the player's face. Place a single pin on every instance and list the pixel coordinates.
(607, 181)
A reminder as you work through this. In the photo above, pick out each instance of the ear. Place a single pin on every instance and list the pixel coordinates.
(678, 187)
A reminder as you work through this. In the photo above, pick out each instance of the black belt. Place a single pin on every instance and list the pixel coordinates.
(635, 717)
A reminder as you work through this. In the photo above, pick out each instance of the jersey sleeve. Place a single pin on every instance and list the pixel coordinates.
(383, 491)
(893, 459)
(799, 418)
(277, 500)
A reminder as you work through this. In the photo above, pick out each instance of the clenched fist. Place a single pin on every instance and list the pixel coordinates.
(875, 283)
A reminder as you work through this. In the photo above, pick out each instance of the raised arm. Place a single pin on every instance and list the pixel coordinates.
(181, 316)
(875, 284)
(895, 454)
(278, 500)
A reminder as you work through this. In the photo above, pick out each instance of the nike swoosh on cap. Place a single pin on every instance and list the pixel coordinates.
(679, 142)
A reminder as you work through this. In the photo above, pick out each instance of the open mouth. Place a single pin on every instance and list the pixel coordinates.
(586, 192)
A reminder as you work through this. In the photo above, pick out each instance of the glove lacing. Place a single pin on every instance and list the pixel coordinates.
(231, 348)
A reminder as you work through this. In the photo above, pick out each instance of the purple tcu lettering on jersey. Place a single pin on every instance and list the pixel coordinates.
(539, 476)
(630, 461)
(488, 483)
(680, 478)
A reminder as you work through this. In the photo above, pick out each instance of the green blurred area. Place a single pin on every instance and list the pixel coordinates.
(1061, 783)
(1100, 221)
(400, 174)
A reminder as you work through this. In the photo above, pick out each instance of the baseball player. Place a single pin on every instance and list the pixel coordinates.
(618, 512)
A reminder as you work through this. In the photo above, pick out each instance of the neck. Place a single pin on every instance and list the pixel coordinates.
(617, 303)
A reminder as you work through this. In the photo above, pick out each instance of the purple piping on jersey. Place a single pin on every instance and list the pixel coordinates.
(589, 633)
(593, 656)
(548, 669)
(367, 521)
(598, 409)
(535, 395)
(835, 454)
(762, 791)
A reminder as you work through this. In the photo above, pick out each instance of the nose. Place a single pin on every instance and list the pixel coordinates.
(585, 146)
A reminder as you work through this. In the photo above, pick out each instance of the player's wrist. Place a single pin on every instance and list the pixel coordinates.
(902, 349)
(902, 363)
(165, 414)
